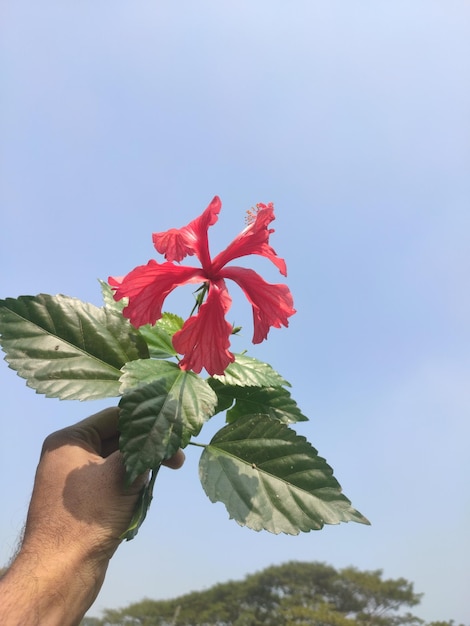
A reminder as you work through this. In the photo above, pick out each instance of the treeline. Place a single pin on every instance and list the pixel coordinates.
(293, 594)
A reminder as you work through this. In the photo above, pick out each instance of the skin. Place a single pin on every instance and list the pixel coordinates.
(78, 511)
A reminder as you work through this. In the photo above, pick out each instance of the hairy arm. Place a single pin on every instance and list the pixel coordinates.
(78, 511)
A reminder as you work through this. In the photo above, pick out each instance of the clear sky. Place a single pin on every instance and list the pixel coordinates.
(121, 118)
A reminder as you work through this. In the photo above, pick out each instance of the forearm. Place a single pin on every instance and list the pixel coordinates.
(42, 589)
(79, 510)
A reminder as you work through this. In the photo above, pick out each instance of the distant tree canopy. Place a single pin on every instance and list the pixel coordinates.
(294, 594)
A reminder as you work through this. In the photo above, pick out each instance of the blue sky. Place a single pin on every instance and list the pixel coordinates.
(120, 119)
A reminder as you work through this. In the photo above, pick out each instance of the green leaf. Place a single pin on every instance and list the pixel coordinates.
(195, 400)
(255, 387)
(246, 371)
(66, 348)
(108, 297)
(225, 394)
(159, 336)
(143, 504)
(151, 426)
(243, 373)
(270, 478)
(142, 371)
(273, 401)
(156, 419)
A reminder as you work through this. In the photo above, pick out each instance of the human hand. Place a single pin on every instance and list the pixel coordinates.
(78, 511)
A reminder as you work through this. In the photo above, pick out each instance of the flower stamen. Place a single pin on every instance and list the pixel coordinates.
(251, 214)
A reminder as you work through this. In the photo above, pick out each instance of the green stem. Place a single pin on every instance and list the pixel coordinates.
(199, 445)
(145, 498)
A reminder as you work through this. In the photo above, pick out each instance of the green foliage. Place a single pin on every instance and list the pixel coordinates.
(293, 594)
(156, 417)
(66, 348)
(273, 401)
(158, 337)
(270, 478)
(108, 298)
(250, 386)
(151, 426)
(267, 476)
(377, 596)
(142, 371)
(246, 371)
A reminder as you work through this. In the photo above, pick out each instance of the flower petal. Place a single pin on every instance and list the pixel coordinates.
(254, 239)
(272, 304)
(177, 243)
(205, 338)
(147, 286)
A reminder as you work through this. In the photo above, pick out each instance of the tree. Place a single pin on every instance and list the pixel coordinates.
(293, 594)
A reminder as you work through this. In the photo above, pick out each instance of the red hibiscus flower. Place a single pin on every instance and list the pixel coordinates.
(204, 339)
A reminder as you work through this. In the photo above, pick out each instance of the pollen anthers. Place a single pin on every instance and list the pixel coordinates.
(253, 212)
